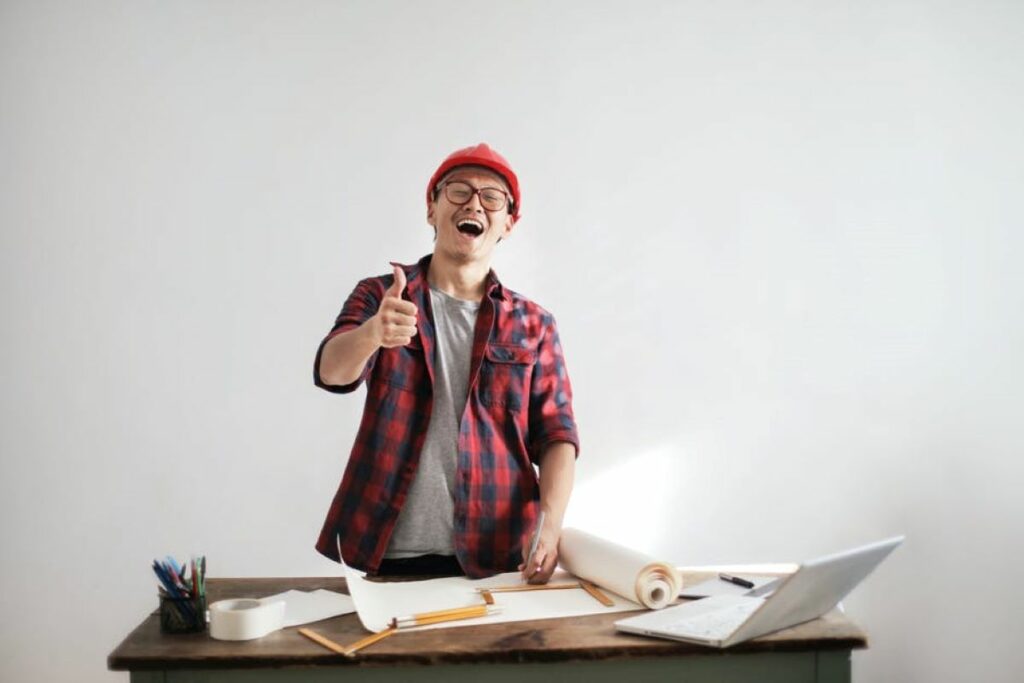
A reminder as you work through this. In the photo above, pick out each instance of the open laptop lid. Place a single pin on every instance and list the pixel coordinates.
(815, 588)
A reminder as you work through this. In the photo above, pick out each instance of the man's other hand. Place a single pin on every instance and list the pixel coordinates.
(546, 558)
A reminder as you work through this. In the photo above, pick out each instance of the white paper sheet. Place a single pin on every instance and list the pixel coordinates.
(303, 607)
(717, 586)
(379, 602)
(631, 574)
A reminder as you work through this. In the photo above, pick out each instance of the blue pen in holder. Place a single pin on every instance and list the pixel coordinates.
(183, 614)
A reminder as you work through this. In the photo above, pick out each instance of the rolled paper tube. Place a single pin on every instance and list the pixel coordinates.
(629, 573)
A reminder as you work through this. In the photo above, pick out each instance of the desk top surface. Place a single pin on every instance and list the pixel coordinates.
(591, 637)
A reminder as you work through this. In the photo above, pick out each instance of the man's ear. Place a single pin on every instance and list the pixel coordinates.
(510, 223)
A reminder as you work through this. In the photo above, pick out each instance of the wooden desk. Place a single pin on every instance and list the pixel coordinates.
(567, 650)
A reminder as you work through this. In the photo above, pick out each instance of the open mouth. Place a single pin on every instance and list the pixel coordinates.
(470, 227)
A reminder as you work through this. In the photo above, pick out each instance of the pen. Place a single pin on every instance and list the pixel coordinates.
(736, 580)
(533, 542)
(166, 581)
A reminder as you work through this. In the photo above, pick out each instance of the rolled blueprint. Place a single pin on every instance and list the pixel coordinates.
(629, 573)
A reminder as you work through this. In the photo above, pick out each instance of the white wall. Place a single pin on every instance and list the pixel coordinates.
(781, 241)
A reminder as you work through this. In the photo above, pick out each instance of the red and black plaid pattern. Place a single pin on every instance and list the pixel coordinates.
(519, 402)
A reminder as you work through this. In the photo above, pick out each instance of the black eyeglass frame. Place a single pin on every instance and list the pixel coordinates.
(443, 187)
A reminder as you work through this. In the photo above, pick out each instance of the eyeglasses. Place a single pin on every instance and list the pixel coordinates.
(491, 198)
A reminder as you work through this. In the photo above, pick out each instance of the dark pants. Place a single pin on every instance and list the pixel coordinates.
(423, 565)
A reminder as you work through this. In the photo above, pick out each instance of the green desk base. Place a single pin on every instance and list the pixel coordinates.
(830, 666)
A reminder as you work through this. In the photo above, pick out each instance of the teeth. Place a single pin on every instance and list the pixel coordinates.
(473, 223)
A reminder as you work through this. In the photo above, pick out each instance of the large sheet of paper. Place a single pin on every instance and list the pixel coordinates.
(303, 607)
(631, 574)
(377, 603)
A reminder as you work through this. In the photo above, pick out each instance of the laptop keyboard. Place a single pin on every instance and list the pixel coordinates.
(714, 625)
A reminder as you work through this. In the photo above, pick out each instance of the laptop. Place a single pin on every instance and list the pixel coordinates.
(809, 592)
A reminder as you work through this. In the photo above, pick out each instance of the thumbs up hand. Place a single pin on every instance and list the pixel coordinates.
(395, 320)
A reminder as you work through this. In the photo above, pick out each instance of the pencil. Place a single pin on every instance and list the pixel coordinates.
(348, 650)
(597, 594)
(438, 613)
(528, 587)
(320, 640)
(444, 615)
(534, 542)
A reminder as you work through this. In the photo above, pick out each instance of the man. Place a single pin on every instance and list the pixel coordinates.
(466, 392)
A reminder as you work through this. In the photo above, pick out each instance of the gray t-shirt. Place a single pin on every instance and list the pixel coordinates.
(425, 523)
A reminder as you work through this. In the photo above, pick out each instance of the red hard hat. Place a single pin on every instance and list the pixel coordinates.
(478, 155)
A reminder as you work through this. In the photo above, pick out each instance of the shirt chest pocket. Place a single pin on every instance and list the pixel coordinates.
(505, 376)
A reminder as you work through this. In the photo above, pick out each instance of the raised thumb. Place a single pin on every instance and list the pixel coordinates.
(398, 286)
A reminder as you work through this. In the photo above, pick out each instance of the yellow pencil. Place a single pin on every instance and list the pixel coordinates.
(597, 594)
(528, 587)
(445, 615)
(349, 650)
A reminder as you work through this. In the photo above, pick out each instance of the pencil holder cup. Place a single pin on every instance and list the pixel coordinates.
(182, 615)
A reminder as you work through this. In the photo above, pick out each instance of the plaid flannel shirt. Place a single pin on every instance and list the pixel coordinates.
(519, 402)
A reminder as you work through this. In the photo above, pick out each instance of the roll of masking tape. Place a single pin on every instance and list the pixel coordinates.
(245, 619)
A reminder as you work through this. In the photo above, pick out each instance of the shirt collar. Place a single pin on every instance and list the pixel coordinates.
(416, 274)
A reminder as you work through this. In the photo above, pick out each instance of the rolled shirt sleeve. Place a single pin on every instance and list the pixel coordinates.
(361, 305)
(551, 416)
